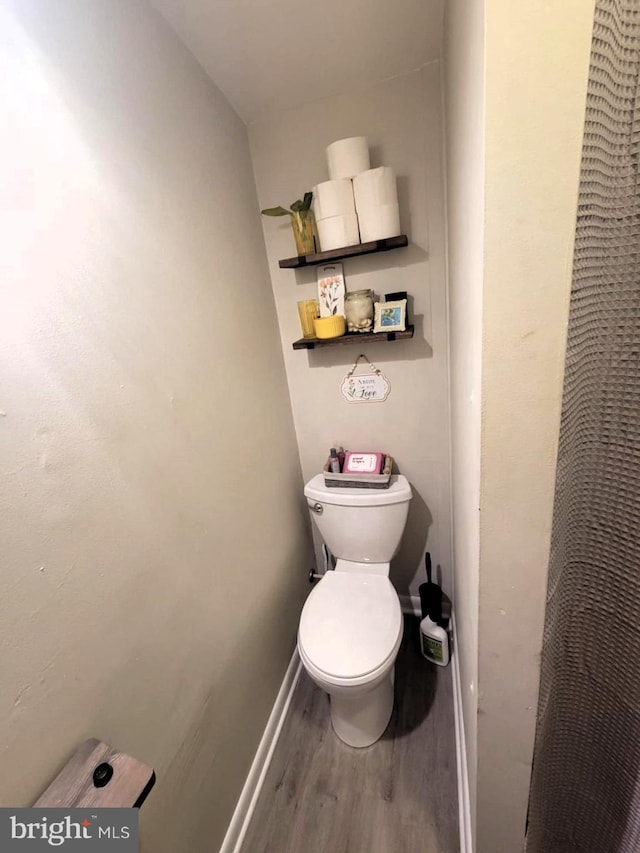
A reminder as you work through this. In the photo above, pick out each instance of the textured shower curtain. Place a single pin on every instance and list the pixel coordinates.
(585, 789)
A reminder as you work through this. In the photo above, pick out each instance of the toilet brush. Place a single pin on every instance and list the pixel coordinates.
(430, 595)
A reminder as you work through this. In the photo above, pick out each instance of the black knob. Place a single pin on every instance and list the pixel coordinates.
(102, 775)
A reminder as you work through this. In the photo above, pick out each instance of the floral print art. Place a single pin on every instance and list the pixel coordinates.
(331, 292)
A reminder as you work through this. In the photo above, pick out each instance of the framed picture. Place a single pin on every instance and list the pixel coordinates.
(390, 316)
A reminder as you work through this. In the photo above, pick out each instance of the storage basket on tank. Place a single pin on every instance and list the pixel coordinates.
(359, 481)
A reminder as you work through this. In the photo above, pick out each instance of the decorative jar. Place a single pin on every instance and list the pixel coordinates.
(358, 309)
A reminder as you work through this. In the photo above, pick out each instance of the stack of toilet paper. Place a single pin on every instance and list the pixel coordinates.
(376, 200)
(335, 211)
(357, 203)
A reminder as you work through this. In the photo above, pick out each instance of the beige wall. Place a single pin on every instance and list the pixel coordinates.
(401, 119)
(464, 153)
(536, 74)
(154, 538)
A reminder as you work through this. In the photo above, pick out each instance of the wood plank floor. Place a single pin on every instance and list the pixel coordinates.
(397, 796)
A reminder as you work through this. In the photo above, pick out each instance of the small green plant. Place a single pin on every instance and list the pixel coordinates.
(299, 206)
(302, 222)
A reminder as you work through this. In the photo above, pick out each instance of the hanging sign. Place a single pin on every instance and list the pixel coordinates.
(371, 387)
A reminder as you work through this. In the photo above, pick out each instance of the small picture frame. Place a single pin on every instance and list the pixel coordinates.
(390, 316)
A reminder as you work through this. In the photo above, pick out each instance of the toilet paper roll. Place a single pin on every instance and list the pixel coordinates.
(333, 198)
(379, 222)
(348, 157)
(375, 187)
(338, 231)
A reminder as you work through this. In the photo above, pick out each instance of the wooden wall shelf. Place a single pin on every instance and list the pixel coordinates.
(346, 252)
(358, 338)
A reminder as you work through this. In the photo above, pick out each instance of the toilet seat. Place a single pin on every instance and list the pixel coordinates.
(350, 627)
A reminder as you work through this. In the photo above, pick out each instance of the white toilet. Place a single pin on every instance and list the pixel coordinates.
(351, 624)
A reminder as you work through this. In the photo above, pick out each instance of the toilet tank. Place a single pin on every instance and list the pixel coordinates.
(360, 525)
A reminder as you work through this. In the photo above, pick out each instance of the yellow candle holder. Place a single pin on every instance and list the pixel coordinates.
(308, 311)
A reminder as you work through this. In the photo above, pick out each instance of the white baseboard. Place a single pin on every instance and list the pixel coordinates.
(464, 803)
(411, 605)
(255, 779)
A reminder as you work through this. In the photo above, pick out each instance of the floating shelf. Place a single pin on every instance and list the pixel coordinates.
(358, 338)
(346, 252)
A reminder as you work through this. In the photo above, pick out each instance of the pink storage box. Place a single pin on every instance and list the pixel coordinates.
(362, 463)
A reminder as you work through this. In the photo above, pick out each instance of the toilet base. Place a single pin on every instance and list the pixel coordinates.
(361, 720)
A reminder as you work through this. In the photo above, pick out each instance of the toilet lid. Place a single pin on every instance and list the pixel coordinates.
(350, 624)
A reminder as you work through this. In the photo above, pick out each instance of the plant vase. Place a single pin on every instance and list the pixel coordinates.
(304, 231)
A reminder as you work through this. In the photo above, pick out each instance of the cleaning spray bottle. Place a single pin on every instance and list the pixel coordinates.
(434, 638)
(434, 642)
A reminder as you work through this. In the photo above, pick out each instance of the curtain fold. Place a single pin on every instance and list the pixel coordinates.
(585, 788)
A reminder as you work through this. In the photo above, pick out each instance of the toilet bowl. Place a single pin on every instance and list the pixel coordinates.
(349, 635)
(351, 624)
